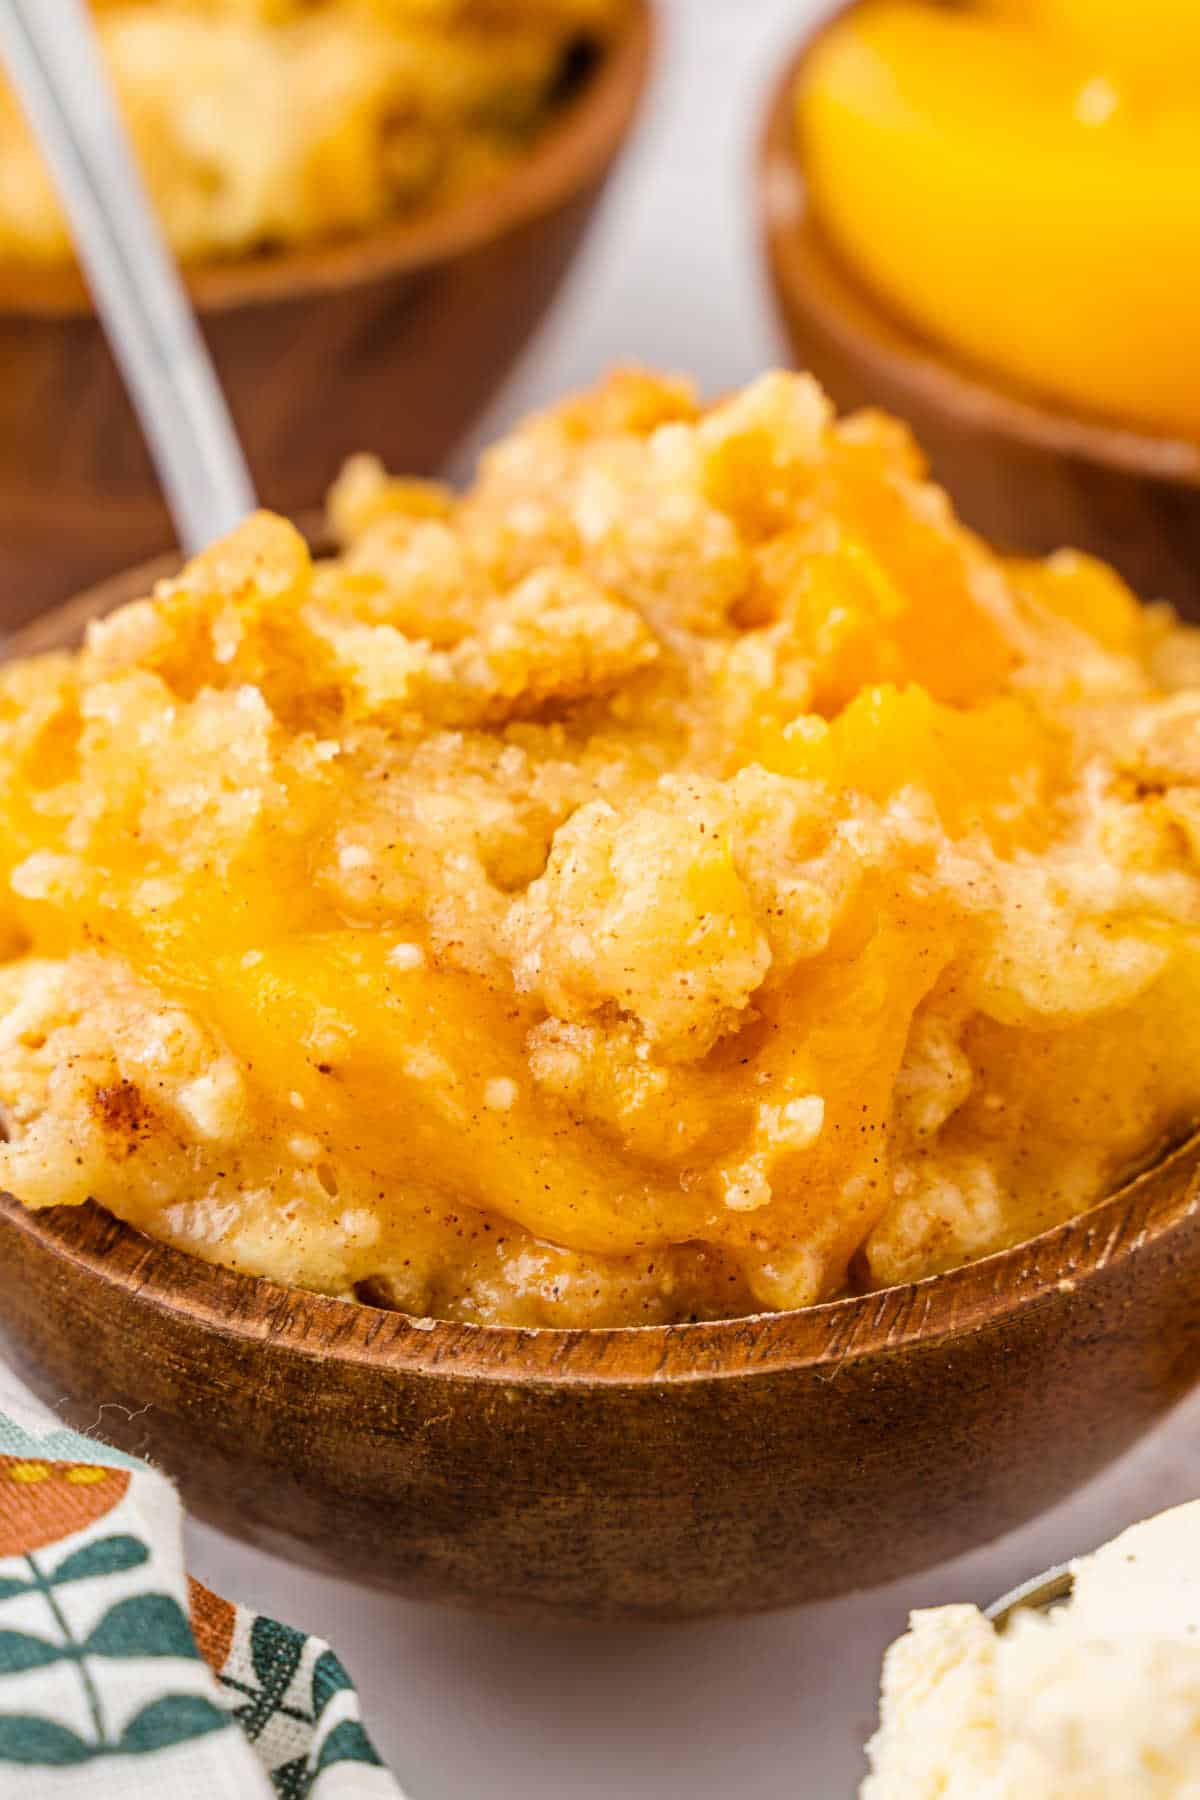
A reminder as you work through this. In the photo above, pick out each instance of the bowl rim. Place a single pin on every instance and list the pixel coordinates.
(962, 1303)
(795, 246)
(569, 154)
(256, 1310)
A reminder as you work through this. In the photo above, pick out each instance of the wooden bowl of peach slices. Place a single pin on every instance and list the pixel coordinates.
(626, 1044)
(980, 215)
(372, 199)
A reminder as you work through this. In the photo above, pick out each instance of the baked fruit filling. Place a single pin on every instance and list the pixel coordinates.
(269, 124)
(686, 874)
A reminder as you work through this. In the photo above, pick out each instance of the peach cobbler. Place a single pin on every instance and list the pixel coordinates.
(685, 874)
(265, 123)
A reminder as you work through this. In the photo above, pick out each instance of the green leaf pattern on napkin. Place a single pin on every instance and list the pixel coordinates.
(291, 1690)
(101, 1665)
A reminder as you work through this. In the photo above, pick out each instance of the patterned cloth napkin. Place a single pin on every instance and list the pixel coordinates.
(121, 1679)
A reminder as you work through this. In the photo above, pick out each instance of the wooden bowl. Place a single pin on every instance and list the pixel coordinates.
(657, 1473)
(1028, 474)
(413, 327)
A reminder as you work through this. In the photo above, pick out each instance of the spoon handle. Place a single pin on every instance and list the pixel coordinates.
(52, 55)
(1037, 1595)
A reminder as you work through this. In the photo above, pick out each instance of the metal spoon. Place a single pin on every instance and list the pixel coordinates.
(52, 55)
(1040, 1594)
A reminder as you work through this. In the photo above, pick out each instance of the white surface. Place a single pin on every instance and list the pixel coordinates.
(770, 1709)
(776, 1708)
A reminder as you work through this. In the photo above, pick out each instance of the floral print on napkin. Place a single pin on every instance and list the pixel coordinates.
(120, 1678)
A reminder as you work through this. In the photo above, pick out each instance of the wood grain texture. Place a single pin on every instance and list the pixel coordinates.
(1030, 476)
(641, 1474)
(390, 343)
(652, 1474)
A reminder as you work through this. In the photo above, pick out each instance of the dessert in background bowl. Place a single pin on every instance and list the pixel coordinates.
(264, 125)
(680, 882)
(979, 215)
(389, 188)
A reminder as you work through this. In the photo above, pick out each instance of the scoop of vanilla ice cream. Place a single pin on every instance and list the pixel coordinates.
(1097, 1700)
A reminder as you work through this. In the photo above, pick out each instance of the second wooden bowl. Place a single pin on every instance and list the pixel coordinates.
(1031, 476)
(412, 327)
